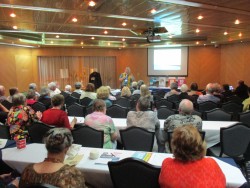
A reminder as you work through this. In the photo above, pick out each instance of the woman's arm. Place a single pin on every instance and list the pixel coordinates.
(2, 107)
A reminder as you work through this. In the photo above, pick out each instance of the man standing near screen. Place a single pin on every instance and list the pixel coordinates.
(126, 78)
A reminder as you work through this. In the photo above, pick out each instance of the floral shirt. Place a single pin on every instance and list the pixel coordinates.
(19, 117)
(100, 121)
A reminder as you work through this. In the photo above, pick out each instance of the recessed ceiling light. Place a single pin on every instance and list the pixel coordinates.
(74, 19)
(51, 42)
(14, 27)
(204, 44)
(92, 3)
(240, 34)
(81, 43)
(200, 17)
(153, 11)
(237, 21)
(13, 15)
(170, 36)
(225, 33)
(82, 46)
(57, 36)
(105, 32)
(197, 42)
(108, 43)
(92, 38)
(124, 24)
(123, 39)
(197, 30)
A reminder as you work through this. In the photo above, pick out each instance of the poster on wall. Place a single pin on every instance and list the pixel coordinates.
(181, 80)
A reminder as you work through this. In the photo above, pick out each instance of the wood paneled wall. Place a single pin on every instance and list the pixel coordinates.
(226, 64)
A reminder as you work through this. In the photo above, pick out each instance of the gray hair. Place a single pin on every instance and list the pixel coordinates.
(129, 70)
(32, 86)
(209, 88)
(18, 99)
(31, 94)
(173, 85)
(78, 85)
(57, 139)
(140, 83)
(44, 91)
(186, 107)
(184, 88)
(68, 87)
(143, 103)
(134, 84)
(52, 85)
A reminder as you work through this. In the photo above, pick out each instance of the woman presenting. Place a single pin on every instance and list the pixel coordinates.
(126, 78)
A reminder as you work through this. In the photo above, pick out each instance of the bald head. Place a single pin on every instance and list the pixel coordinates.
(2, 90)
(209, 88)
(186, 107)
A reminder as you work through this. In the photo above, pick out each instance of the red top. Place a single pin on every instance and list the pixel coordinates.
(56, 117)
(204, 173)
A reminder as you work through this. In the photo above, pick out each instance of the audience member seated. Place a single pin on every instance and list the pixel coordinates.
(6, 181)
(209, 95)
(111, 97)
(126, 93)
(55, 116)
(242, 90)
(139, 84)
(144, 118)
(103, 93)
(194, 89)
(184, 93)
(2, 93)
(89, 92)
(33, 86)
(53, 89)
(45, 97)
(100, 121)
(226, 92)
(20, 115)
(133, 86)
(189, 167)
(3, 114)
(52, 170)
(146, 93)
(173, 87)
(78, 86)
(12, 91)
(246, 102)
(31, 97)
(67, 89)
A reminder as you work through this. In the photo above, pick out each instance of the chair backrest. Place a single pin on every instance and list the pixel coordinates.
(7, 104)
(64, 94)
(234, 98)
(164, 102)
(37, 130)
(135, 97)
(137, 139)
(207, 105)
(124, 102)
(134, 173)
(218, 114)
(244, 117)
(76, 95)
(40, 185)
(234, 139)
(233, 107)
(117, 111)
(85, 101)
(164, 112)
(88, 137)
(76, 110)
(89, 110)
(173, 98)
(4, 132)
(194, 112)
(170, 133)
(69, 100)
(38, 106)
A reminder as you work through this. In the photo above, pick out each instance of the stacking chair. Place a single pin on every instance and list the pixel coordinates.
(5, 132)
(89, 110)
(64, 94)
(173, 98)
(233, 107)
(69, 100)
(244, 117)
(164, 112)
(206, 106)
(38, 106)
(37, 130)
(137, 139)
(88, 137)
(117, 111)
(195, 112)
(218, 114)
(164, 102)
(76, 95)
(40, 185)
(85, 101)
(124, 102)
(234, 98)
(134, 173)
(76, 110)
(7, 104)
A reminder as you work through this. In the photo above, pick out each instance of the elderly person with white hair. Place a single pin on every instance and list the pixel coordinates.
(67, 89)
(53, 89)
(34, 87)
(173, 91)
(126, 78)
(209, 95)
(184, 93)
(78, 86)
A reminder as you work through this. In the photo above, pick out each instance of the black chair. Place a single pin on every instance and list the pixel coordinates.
(40, 185)
(76, 95)
(195, 112)
(137, 139)
(7, 104)
(76, 110)
(207, 106)
(218, 114)
(5, 132)
(37, 130)
(164, 112)
(232, 107)
(69, 100)
(64, 94)
(134, 173)
(88, 137)
(124, 102)
(234, 98)
(38, 106)
(85, 101)
(157, 97)
(244, 117)
(135, 97)
(116, 111)
(170, 133)
(164, 102)
(173, 98)
(89, 110)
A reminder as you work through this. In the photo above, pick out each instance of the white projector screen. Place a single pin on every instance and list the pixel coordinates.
(168, 61)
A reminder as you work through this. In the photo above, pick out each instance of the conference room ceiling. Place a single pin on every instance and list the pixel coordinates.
(49, 23)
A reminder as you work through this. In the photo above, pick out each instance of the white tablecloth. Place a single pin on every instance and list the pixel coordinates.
(96, 174)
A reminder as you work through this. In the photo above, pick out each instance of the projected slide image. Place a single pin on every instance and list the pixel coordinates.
(167, 59)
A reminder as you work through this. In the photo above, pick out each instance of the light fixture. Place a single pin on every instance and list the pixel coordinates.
(123, 39)
(51, 42)
(81, 43)
(200, 17)
(170, 36)
(240, 34)
(153, 11)
(225, 33)
(197, 42)
(14, 27)
(108, 43)
(74, 19)
(197, 30)
(92, 38)
(13, 15)
(237, 22)
(124, 24)
(57, 36)
(92, 3)
(105, 32)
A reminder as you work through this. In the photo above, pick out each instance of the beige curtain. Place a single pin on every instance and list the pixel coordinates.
(68, 70)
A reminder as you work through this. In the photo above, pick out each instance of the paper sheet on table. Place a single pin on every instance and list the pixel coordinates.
(72, 161)
(79, 119)
(3, 143)
(157, 159)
